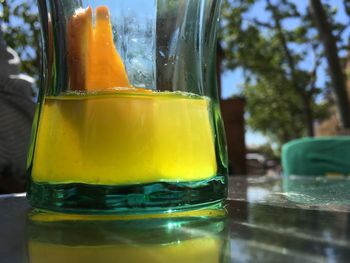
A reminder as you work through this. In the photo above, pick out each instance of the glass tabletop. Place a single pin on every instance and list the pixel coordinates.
(269, 219)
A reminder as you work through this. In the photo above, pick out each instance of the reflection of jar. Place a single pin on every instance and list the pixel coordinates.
(128, 119)
(70, 238)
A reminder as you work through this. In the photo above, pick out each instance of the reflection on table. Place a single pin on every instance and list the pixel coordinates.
(183, 237)
(294, 219)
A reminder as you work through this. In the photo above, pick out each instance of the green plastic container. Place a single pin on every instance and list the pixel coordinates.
(317, 156)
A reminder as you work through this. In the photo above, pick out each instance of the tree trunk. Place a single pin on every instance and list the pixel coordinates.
(308, 116)
(331, 52)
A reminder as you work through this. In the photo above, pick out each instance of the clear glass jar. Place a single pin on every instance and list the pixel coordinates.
(128, 118)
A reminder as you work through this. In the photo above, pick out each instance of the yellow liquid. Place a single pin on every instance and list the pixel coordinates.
(196, 250)
(124, 138)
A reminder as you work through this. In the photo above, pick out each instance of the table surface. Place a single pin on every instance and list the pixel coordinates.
(270, 219)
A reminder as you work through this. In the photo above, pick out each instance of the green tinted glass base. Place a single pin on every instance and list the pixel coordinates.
(128, 199)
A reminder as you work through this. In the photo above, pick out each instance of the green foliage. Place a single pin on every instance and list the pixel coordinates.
(281, 94)
(21, 30)
(270, 104)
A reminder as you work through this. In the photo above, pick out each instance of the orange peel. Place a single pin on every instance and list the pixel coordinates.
(79, 36)
(93, 60)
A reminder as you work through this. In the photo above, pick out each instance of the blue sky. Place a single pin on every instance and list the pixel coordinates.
(232, 81)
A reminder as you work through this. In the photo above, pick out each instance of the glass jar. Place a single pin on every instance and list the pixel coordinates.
(128, 117)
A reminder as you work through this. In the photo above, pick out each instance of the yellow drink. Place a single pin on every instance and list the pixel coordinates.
(124, 138)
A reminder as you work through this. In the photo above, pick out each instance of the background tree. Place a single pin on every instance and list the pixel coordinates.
(20, 25)
(21, 30)
(283, 99)
(325, 29)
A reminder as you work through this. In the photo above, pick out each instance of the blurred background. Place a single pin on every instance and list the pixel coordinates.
(283, 73)
(286, 63)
